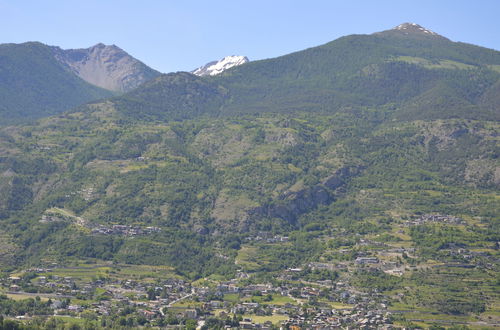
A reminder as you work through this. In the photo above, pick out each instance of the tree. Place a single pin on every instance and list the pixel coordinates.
(191, 324)
(10, 325)
(151, 294)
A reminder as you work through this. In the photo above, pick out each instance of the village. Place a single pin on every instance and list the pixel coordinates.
(124, 230)
(59, 215)
(288, 303)
(320, 294)
(436, 218)
(317, 295)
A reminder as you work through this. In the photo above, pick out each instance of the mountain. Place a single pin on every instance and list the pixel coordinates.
(108, 67)
(37, 80)
(216, 67)
(406, 68)
(377, 146)
(34, 84)
(394, 67)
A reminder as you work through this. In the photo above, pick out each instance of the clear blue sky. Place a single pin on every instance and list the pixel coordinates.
(179, 35)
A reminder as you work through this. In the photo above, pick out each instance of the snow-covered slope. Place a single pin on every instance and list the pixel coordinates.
(216, 67)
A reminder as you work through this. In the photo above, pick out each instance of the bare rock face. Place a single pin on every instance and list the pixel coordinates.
(294, 204)
(105, 66)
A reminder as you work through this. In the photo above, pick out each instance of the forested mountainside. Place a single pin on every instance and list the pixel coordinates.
(417, 74)
(270, 172)
(34, 84)
(37, 80)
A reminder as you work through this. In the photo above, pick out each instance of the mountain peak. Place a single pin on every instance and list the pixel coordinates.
(99, 45)
(411, 29)
(216, 67)
(102, 46)
(106, 66)
(414, 27)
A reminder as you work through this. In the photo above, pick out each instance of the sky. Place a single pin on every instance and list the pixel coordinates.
(182, 35)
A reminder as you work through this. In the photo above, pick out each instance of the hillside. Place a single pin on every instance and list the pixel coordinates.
(265, 171)
(215, 187)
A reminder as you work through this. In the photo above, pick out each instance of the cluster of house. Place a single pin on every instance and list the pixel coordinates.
(363, 259)
(12, 283)
(46, 218)
(54, 284)
(183, 290)
(135, 294)
(460, 256)
(438, 218)
(320, 316)
(366, 260)
(327, 318)
(154, 300)
(87, 193)
(366, 313)
(124, 230)
(349, 266)
(61, 307)
(268, 238)
(326, 266)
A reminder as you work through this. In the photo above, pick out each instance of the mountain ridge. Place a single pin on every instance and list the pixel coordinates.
(391, 68)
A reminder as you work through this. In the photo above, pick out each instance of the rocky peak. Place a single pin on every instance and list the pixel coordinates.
(413, 28)
(106, 66)
(216, 67)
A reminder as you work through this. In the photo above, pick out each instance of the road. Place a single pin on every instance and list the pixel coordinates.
(180, 299)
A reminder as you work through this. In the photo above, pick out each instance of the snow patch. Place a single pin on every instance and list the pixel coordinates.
(217, 67)
(408, 27)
